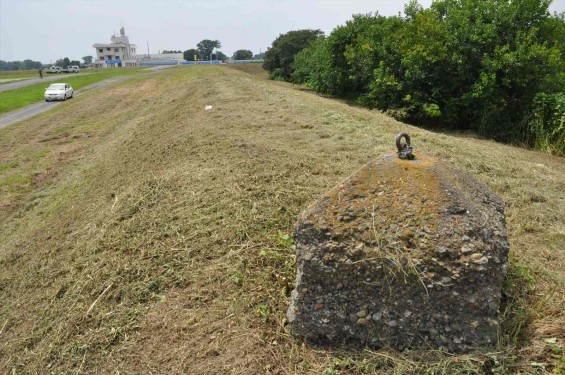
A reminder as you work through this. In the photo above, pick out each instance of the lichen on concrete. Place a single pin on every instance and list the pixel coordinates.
(402, 254)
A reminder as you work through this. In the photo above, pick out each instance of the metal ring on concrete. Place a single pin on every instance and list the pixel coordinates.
(401, 146)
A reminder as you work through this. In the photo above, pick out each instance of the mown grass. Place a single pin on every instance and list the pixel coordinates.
(18, 74)
(18, 98)
(155, 236)
(255, 69)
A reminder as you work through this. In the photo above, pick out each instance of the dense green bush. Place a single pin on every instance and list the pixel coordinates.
(279, 58)
(545, 126)
(492, 66)
(242, 54)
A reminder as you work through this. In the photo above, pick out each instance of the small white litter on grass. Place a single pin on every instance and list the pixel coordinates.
(208, 108)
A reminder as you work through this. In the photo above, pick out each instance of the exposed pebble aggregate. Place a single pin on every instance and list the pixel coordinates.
(400, 255)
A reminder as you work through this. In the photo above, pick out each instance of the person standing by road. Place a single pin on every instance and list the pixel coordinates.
(40, 73)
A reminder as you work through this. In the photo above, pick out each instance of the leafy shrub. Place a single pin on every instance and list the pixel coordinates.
(278, 75)
(285, 48)
(546, 128)
(492, 66)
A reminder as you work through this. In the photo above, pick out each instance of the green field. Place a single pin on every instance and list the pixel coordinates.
(18, 98)
(140, 233)
(19, 74)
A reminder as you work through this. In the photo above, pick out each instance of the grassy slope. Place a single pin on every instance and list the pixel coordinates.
(18, 98)
(7, 74)
(141, 233)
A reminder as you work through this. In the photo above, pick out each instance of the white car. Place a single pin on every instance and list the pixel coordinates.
(58, 91)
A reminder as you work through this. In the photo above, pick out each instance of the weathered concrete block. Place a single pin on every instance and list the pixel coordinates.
(401, 254)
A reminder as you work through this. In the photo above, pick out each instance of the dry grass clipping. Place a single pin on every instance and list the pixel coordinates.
(157, 238)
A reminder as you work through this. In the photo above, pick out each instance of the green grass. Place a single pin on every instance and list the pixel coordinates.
(5, 165)
(18, 74)
(18, 98)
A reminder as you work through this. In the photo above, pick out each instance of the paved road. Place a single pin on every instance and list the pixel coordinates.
(34, 109)
(4, 80)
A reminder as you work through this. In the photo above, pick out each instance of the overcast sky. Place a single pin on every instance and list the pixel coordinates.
(46, 30)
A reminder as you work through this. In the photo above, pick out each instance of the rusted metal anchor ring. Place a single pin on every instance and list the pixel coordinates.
(404, 149)
(402, 146)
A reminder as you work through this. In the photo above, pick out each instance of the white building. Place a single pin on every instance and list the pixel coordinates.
(117, 53)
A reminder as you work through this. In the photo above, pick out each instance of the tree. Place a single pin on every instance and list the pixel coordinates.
(74, 63)
(311, 67)
(259, 56)
(30, 64)
(220, 56)
(206, 46)
(493, 66)
(412, 9)
(242, 54)
(20, 65)
(87, 60)
(191, 55)
(65, 62)
(279, 58)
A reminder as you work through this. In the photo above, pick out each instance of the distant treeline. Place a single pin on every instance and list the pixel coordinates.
(20, 65)
(496, 67)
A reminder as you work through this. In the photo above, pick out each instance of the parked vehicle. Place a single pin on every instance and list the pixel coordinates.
(54, 69)
(71, 69)
(58, 91)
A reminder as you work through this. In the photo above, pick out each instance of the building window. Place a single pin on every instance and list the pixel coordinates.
(117, 57)
(107, 48)
(100, 49)
(116, 49)
(101, 58)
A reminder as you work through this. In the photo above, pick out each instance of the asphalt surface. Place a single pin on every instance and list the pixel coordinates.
(37, 108)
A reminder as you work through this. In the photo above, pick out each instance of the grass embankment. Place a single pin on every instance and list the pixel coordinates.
(254, 69)
(19, 74)
(142, 234)
(18, 98)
